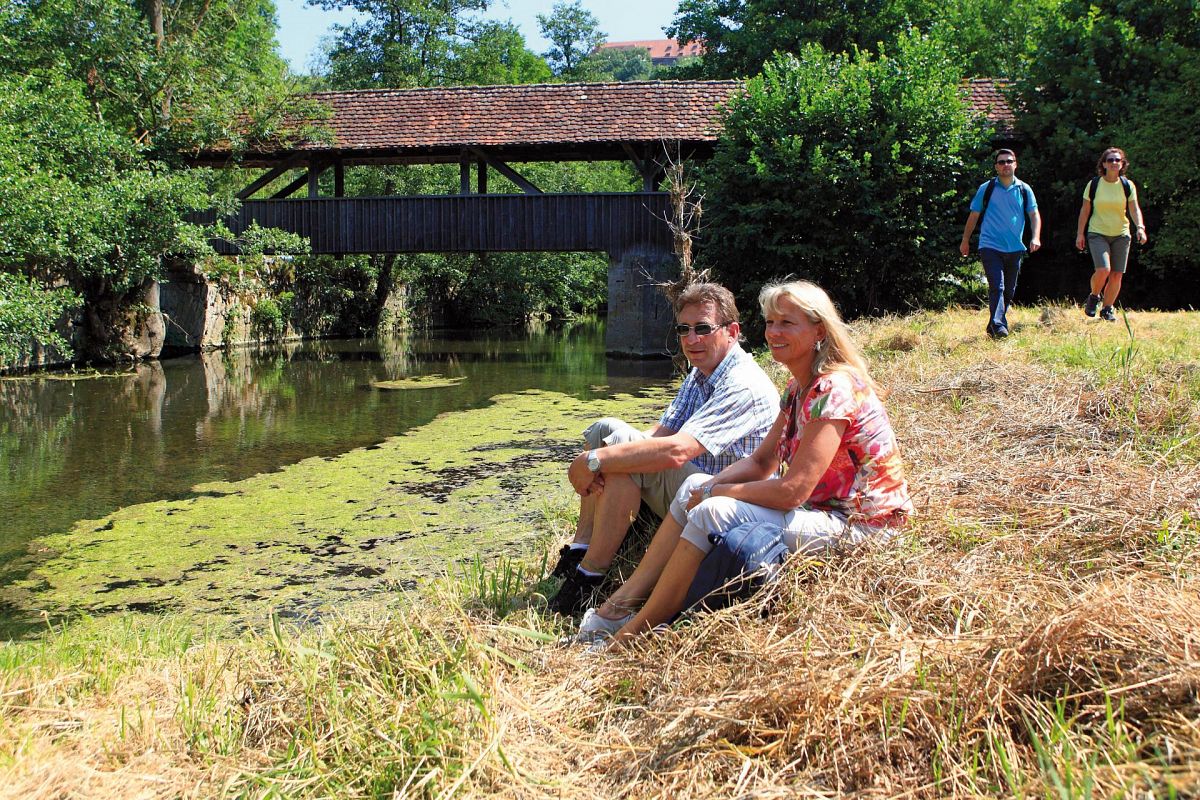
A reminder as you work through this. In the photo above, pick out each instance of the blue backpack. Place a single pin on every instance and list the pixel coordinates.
(743, 560)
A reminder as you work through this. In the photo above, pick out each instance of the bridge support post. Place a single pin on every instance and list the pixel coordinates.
(639, 317)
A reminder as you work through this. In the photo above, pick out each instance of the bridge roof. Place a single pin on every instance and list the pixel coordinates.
(539, 122)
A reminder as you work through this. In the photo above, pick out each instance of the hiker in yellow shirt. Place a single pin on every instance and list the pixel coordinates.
(1110, 205)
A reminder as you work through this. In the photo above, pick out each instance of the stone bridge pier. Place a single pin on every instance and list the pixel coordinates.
(639, 316)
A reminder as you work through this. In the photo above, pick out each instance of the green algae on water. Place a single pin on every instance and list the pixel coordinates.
(433, 381)
(325, 530)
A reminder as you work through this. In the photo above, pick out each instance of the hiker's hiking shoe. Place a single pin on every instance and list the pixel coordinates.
(575, 594)
(1093, 302)
(568, 560)
(1108, 313)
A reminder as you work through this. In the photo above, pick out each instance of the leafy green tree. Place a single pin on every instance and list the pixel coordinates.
(739, 36)
(82, 204)
(846, 170)
(397, 43)
(617, 64)
(495, 53)
(175, 74)
(574, 32)
(1118, 73)
(992, 38)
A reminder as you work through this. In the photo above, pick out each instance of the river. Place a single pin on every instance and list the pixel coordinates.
(115, 446)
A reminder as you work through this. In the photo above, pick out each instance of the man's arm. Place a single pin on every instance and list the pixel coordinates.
(1035, 222)
(964, 247)
(663, 451)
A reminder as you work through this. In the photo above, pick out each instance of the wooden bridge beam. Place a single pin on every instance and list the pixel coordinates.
(506, 171)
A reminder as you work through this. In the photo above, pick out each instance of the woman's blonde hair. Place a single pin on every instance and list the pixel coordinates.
(838, 350)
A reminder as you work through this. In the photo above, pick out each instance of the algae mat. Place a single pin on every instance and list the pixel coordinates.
(469, 483)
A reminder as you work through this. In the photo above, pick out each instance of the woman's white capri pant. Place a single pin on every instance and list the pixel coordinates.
(804, 530)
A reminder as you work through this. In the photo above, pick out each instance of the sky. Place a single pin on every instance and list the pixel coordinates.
(301, 26)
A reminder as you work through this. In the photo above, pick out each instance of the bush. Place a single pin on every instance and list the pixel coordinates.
(28, 316)
(267, 320)
(851, 171)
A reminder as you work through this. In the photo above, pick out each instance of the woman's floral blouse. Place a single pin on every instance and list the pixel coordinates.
(866, 479)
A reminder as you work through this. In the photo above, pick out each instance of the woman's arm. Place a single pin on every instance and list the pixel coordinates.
(759, 464)
(1135, 212)
(814, 453)
(1085, 211)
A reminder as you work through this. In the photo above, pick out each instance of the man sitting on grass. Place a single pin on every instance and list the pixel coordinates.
(724, 408)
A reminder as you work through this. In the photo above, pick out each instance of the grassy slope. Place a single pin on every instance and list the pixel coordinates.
(1037, 633)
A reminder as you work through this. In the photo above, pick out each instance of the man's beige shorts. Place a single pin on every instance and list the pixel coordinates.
(658, 488)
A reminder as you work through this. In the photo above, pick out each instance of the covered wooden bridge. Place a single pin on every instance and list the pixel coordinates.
(490, 130)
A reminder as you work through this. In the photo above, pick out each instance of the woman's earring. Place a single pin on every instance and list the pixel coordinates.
(818, 345)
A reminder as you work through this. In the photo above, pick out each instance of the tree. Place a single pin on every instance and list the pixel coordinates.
(174, 76)
(992, 38)
(83, 205)
(574, 32)
(847, 170)
(398, 43)
(739, 36)
(495, 53)
(1118, 73)
(617, 64)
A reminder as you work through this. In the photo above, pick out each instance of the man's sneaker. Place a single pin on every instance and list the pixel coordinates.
(1108, 313)
(568, 560)
(1092, 303)
(575, 594)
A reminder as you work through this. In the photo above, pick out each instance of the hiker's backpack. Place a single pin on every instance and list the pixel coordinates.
(1093, 185)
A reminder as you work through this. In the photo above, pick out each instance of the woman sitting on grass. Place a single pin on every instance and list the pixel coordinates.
(829, 472)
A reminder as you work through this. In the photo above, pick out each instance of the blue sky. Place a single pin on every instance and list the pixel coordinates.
(301, 26)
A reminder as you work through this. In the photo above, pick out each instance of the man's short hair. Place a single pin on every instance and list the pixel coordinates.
(1004, 152)
(713, 293)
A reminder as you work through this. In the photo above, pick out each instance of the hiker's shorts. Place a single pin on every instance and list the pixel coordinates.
(1109, 252)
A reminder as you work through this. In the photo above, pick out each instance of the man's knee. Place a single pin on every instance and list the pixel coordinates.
(610, 430)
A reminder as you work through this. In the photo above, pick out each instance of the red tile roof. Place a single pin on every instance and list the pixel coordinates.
(661, 48)
(533, 122)
(986, 96)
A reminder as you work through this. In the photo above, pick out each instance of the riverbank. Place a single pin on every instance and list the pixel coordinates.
(1037, 632)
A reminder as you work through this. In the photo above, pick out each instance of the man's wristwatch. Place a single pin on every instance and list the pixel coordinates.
(593, 461)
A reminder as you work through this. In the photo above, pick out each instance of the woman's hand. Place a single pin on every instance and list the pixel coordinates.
(1141, 235)
(1080, 243)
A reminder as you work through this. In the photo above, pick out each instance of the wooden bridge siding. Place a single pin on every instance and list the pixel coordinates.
(464, 223)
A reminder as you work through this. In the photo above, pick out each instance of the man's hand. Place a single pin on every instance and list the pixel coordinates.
(964, 248)
(1035, 244)
(583, 480)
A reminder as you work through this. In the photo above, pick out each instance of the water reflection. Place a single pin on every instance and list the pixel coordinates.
(79, 448)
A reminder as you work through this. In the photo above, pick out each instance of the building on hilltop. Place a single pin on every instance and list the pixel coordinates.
(663, 52)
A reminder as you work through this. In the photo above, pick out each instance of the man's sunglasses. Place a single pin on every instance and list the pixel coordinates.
(703, 329)
(1006, 161)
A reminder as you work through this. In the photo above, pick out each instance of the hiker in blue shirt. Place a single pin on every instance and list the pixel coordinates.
(1003, 202)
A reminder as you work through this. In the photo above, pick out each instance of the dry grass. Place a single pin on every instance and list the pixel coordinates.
(1035, 633)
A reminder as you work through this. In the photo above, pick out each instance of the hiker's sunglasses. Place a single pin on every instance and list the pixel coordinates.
(702, 329)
